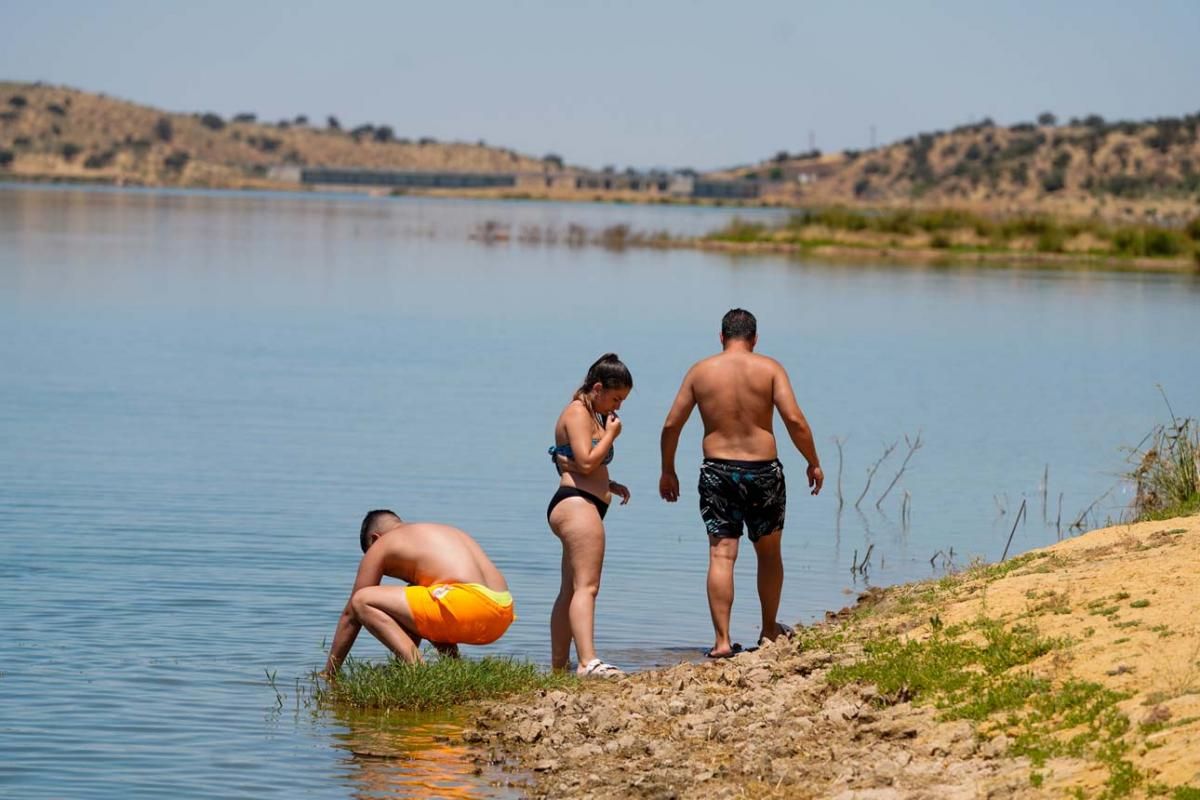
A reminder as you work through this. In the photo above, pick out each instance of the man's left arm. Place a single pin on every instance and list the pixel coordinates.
(797, 427)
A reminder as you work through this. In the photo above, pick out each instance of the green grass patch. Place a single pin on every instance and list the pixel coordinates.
(978, 672)
(1139, 603)
(440, 683)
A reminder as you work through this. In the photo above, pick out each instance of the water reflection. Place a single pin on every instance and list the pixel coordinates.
(399, 754)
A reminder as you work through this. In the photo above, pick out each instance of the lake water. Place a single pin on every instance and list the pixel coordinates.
(202, 393)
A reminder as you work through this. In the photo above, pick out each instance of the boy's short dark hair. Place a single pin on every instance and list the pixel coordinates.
(372, 522)
(738, 323)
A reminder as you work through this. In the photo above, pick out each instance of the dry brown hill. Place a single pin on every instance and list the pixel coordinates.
(1085, 166)
(54, 132)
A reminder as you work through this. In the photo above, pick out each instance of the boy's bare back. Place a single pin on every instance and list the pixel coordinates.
(428, 553)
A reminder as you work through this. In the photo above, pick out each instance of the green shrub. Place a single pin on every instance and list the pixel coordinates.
(1161, 242)
(6, 158)
(1193, 229)
(1054, 180)
(1051, 240)
(69, 150)
(177, 160)
(99, 160)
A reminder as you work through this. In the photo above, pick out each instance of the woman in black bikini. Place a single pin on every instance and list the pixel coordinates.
(583, 448)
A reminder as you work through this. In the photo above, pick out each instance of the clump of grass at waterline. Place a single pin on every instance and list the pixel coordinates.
(439, 683)
(1168, 472)
(962, 231)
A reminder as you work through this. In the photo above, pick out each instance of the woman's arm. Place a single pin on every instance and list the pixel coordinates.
(580, 425)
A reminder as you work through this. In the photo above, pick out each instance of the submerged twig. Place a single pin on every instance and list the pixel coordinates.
(1079, 521)
(839, 441)
(871, 472)
(913, 446)
(1016, 521)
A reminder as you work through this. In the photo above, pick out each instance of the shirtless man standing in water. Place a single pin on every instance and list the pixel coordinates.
(741, 479)
(455, 593)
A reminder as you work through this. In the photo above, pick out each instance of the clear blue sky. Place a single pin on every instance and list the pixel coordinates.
(669, 83)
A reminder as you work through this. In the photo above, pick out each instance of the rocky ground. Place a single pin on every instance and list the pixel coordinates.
(1113, 707)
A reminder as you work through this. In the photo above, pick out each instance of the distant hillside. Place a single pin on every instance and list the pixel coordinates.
(1086, 165)
(51, 132)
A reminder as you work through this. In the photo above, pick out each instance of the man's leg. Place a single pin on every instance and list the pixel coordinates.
(384, 611)
(722, 555)
(770, 581)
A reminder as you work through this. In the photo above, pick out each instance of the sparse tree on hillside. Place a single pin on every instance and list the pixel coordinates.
(781, 156)
(245, 116)
(301, 120)
(553, 160)
(6, 158)
(332, 123)
(164, 130)
(18, 101)
(70, 150)
(384, 133)
(177, 161)
(212, 121)
(1046, 118)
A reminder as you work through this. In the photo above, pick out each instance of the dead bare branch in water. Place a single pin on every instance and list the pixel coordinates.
(905, 508)
(871, 472)
(1020, 516)
(913, 446)
(861, 568)
(1058, 522)
(947, 559)
(839, 441)
(1079, 521)
(1045, 487)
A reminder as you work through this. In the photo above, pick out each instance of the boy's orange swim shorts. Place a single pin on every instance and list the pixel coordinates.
(460, 613)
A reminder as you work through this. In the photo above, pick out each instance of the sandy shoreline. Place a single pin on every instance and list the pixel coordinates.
(1116, 610)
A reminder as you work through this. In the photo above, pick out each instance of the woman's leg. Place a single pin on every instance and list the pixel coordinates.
(560, 620)
(577, 524)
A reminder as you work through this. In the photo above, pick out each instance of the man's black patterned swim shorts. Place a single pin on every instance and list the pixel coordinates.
(733, 493)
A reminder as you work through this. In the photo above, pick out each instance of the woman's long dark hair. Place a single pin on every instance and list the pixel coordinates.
(608, 371)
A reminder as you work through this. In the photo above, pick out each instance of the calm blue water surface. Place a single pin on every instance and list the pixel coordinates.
(202, 393)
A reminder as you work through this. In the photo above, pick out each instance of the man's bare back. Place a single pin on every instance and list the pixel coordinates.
(735, 392)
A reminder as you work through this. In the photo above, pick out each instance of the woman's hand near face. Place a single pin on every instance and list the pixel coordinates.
(613, 423)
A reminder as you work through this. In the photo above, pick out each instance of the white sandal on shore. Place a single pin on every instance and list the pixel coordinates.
(599, 669)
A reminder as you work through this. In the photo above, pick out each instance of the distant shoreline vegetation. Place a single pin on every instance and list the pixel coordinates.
(959, 232)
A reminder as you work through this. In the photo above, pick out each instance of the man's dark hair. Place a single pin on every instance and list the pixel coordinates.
(738, 323)
(372, 522)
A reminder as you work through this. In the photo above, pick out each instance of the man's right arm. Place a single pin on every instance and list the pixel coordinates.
(797, 427)
(370, 573)
(681, 409)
